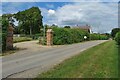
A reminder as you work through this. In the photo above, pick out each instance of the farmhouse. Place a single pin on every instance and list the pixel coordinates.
(86, 28)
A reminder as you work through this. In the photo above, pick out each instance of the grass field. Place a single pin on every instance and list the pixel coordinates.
(98, 62)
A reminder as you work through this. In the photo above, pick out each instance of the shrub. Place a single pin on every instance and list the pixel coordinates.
(114, 31)
(117, 38)
(36, 36)
(21, 39)
(104, 37)
(68, 35)
(98, 37)
(4, 33)
(94, 36)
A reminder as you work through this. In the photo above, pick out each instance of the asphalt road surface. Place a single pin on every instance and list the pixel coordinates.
(29, 63)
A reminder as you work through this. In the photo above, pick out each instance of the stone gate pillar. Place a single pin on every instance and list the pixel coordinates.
(49, 37)
(9, 39)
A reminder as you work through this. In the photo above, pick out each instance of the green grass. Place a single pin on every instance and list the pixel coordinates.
(98, 62)
(21, 39)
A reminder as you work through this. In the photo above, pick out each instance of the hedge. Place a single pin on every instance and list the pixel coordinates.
(68, 35)
(21, 39)
(4, 33)
(98, 37)
(117, 38)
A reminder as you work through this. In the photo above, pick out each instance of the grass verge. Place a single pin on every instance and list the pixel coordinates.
(97, 62)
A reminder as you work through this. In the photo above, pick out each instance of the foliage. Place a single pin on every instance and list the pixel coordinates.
(68, 36)
(30, 21)
(5, 23)
(36, 36)
(66, 26)
(114, 31)
(117, 38)
(4, 41)
(21, 39)
(98, 37)
(42, 41)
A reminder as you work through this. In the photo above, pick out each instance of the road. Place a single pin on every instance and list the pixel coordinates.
(28, 63)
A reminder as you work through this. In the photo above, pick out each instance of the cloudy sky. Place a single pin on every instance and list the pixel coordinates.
(101, 15)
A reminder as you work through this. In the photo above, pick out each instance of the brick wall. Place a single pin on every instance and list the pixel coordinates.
(49, 37)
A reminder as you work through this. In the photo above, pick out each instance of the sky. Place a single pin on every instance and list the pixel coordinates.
(101, 15)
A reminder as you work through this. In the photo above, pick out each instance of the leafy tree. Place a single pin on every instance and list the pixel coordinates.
(54, 25)
(66, 26)
(9, 18)
(30, 20)
(114, 31)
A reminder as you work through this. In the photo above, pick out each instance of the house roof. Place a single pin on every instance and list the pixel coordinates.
(83, 27)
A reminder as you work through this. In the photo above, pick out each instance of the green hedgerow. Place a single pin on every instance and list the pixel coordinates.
(68, 35)
(117, 38)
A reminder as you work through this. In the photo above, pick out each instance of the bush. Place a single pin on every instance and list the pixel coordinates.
(68, 35)
(37, 36)
(117, 38)
(114, 32)
(98, 37)
(104, 37)
(21, 39)
(94, 36)
(34, 37)
(42, 41)
(4, 33)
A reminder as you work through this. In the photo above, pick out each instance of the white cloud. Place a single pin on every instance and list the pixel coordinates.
(102, 16)
(51, 12)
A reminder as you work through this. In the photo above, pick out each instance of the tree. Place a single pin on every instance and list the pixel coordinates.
(114, 31)
(117, 38)
(30, 20)
(54, 25)
(66, 26)
(9, 18)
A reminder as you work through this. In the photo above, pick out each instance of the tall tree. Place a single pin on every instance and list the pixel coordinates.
(30, 20)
